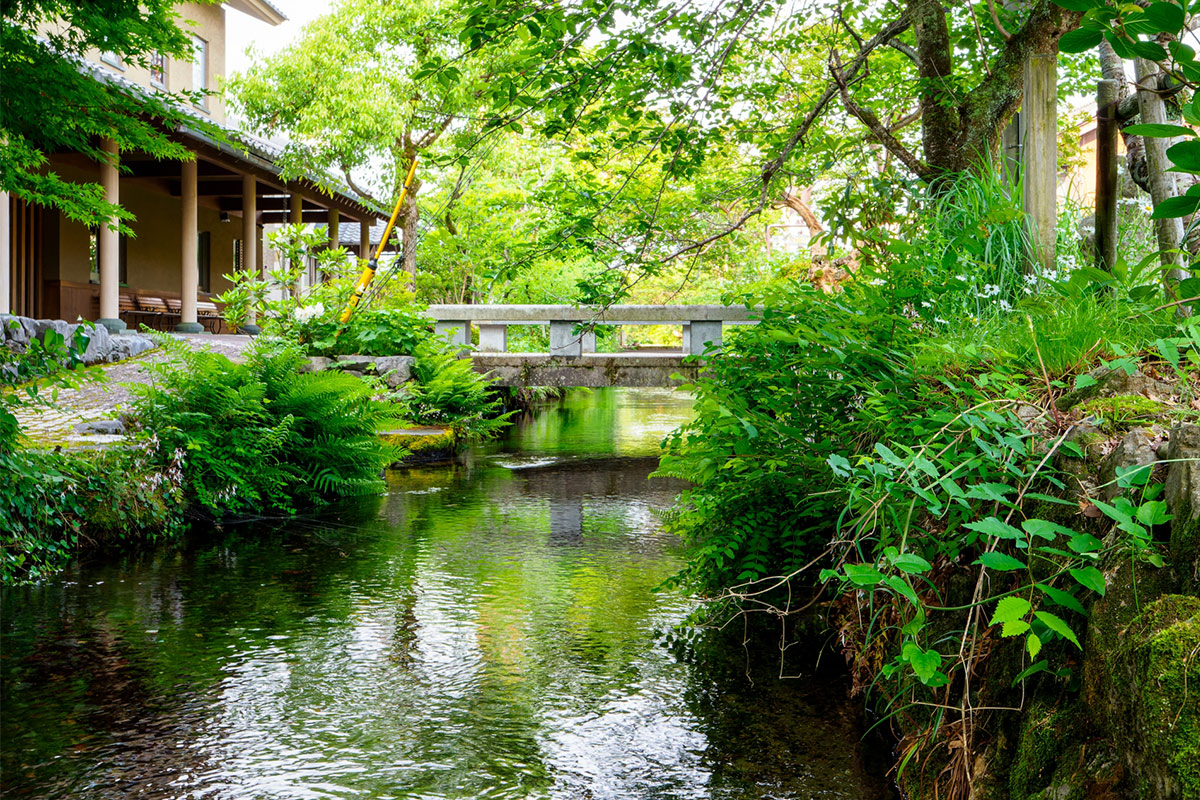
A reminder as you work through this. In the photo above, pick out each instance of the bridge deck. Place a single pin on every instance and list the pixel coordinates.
(593, 370)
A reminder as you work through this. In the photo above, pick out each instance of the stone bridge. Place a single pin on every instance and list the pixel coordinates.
(573, 360)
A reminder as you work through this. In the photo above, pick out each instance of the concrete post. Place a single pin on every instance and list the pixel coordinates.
(364, 240)
(455, 331)
(189, 267)
(335, 239)
(250, 238)
(493, 338)
(1040, 139)
(699, 333)
(109, 244)
(588, 341)
(295, 209)
(5, 255)
(1108, 94)
(563, 339)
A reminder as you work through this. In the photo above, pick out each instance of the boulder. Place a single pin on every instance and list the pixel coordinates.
(99, 346)
(354, 363)
(1183, 501)
(396, 370)
(1138, 447)
(316, 364)
(1111, 382)
(127, 345)
(103, 427)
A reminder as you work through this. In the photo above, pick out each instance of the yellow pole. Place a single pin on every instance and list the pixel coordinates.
(368, 272)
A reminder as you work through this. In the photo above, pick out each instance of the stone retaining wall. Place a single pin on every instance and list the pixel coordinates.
(103, 347)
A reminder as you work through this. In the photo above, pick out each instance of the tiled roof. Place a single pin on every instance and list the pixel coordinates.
(239, 144)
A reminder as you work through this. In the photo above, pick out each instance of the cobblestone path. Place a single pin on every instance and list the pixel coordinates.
(106, 398)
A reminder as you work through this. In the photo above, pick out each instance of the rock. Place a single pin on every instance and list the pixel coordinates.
(1183, 501)
(1138, 447)
(127, 345)
(1111, 382)
(1089, 441)
(396, 370)
(1139, 680)
(37, 328)
(12, 331)
(99, 346)
(316, 364)
(354, 363)
(103, 427)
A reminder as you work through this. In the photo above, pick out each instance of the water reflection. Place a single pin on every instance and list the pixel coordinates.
(487, 629)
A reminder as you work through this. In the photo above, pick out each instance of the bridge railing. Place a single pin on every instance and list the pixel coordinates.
(572, 327)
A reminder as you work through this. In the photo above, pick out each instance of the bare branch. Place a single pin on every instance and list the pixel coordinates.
(880, 131)
(996, 21)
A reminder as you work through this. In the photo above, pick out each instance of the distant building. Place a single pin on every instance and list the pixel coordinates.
(195, 221)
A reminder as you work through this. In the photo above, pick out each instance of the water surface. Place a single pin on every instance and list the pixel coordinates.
(487, 629)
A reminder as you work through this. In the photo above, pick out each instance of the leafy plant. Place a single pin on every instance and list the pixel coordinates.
(260, 435)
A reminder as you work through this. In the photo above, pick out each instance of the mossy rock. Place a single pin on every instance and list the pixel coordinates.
(1143, 687)
(434, 445)
(1123, 411)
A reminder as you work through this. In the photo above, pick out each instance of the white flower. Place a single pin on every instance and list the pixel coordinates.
(306, 313)
(1004, 304)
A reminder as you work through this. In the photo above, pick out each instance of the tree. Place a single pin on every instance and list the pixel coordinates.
(51, 103)
(347, 97)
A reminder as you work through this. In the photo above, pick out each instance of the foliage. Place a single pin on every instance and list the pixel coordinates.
(845, 434)
(259, 435)
(44, 44)
(448, 390)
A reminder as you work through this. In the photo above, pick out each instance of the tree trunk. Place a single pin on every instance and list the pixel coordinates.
(1162, 182)
(408, 216)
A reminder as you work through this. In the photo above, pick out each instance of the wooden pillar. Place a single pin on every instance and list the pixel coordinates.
(295, 209)
(189, 266)
(364, 240)
(1162, 183)
(1010, 150)
(1039, 114)
(250, 236)
(109, 244)
(1108, 94)
(6, 263)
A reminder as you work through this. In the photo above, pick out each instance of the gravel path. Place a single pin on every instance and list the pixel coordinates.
(105, 399)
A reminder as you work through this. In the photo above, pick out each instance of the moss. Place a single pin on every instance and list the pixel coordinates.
(1120, 412)
(1161, 653)
(1044, 728)
(434, 445)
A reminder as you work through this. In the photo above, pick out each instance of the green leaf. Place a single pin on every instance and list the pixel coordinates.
(888, 455)
(1156, 130)
(1000, 561)
(1058, 626)
(1174, 207)
(991, 491)
(1151, 51)
(1084, 381)
(1166, 17)
(1090, 578)
(862, 574)
(925, 663)
(912, 564)
(1080, 40)
(1040, 666)
(1085, 543)
(1060, 597)
(1153, 513)
(1033, 645)
(1010, 612)
(901, 587)
(1185, 156)
(839, 464)
(994, 528)
(1045, 529)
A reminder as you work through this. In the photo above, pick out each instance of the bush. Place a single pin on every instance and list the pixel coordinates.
(260, 435)
(447, 390)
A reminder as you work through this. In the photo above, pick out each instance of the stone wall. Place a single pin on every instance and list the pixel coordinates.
(103, 347)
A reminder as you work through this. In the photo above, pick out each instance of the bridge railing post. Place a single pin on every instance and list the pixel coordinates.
(697, 334)
(455, 331)
(493, 338)
(563, 339)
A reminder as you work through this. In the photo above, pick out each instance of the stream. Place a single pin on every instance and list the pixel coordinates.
(488, 628)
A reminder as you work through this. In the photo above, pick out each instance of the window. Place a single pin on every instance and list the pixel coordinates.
(237, 255)
(113, 60)
(200, 70)
(203, 258)
(158, 70)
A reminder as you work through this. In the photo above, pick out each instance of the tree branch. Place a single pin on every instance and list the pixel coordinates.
(880, 131)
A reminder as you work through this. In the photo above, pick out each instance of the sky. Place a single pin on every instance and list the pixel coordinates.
(242, 31)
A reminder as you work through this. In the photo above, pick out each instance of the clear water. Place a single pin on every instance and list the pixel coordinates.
(487, 629)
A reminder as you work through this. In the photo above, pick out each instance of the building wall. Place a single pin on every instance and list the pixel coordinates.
(204, 21)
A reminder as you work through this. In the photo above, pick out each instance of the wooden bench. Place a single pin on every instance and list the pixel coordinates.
(209, 315)
(158, 306)
(128, 310)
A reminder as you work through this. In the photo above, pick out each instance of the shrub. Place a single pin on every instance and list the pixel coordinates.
(447, 390)
(260, 435)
